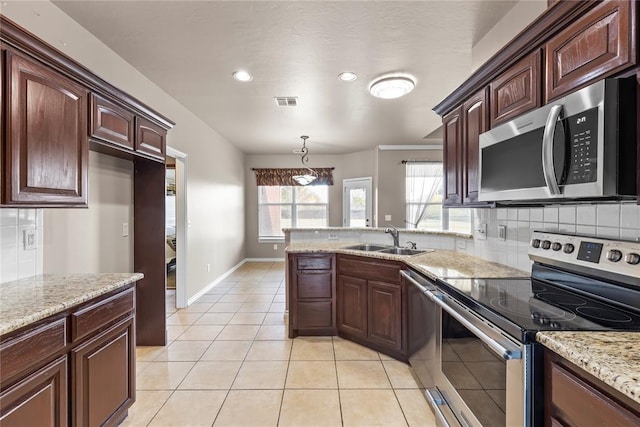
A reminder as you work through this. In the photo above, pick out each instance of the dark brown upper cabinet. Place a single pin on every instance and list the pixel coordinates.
(517, 90)
(598, 44)
(45, 149)
(452, 144)
(111, 123)
(474, 122)
(150, 138)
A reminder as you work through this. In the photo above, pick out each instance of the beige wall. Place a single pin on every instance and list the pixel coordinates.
(391, 183)
(215, 167)
(70, 235)
(521, 15)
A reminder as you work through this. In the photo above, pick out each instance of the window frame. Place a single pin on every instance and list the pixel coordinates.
(294, 216)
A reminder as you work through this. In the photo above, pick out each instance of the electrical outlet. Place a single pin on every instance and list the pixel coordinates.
(275, 247)
(481, 231)
(387, 217)
(333, 237)
(125, 229)
(30, 239)
(208, 268)
(462, 244)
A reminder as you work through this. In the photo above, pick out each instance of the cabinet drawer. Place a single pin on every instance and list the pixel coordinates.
(576, 402)
(385, 272)
(111, 122)
(150, 138)
(317, 314)
(92, 318)
(595, 46)
(32, 348)
(308, 262)
(517, 90)
(315, 284)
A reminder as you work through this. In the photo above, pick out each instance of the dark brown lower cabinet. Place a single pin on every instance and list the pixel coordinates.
(102, 377)
(352, 306)
(575, 398)
(384, 314)
(40, 399)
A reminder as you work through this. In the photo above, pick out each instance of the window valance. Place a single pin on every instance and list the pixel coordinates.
(283, 176)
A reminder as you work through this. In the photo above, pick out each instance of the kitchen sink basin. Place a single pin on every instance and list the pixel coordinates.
(402, 251)
(367, 247)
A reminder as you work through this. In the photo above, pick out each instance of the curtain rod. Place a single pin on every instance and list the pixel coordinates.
(420, 161)
(254, 169)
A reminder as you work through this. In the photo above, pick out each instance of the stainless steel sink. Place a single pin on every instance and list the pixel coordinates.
(403, 251)
(367, 247)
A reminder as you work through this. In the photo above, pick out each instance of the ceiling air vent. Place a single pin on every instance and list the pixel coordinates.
(286, 101)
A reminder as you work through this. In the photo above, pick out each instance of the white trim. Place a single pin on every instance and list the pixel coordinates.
(182, 226)
(264, 259)
(409, 147)
(215, 282)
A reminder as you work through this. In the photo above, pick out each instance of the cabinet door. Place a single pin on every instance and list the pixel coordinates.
(150, 139)
(474, 123)
(38, 400)
(111, 123)
(384, 319)
(452, 123)
(46, 137)
(352, 306)
(103, 377)
(595, 46)
(517, 90)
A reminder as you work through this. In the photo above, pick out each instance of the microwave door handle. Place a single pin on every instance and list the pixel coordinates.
(548, 168)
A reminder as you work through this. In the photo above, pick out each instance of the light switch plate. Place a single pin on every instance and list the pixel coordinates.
(30, 239)
(502, 232)
(387, 217)
(125, 229)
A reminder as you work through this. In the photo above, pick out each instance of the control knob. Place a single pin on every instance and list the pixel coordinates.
(556, 246)
(614, 255)
(535, 243)
(546, 244)
(568, 248)
(632, 258)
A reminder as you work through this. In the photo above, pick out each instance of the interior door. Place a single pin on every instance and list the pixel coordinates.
(356, 202)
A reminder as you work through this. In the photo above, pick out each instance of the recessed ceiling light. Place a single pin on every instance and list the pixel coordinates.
(347, 76)
(242, 76)
(391, 87)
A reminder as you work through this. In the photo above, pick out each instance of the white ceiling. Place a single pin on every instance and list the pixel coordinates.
(191, 49)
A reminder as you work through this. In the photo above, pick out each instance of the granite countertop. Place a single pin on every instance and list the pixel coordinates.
(435, 264)
(26, 301)
(612, 357)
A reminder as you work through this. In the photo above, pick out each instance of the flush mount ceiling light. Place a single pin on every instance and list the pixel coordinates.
(311, 176)
(391, 87)
(347, 76)
(242, 76)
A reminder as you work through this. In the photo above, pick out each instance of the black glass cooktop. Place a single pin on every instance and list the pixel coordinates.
(521, 307)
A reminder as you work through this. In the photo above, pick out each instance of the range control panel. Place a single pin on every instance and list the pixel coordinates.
(615, 256)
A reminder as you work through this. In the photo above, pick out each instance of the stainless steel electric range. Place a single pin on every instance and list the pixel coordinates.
(476, 351)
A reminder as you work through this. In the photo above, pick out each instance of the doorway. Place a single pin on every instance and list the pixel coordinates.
(177, 222)
(356, 202)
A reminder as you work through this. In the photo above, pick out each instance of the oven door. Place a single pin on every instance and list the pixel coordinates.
(482, 376)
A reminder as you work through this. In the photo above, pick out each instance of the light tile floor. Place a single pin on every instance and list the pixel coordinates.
(229, 363)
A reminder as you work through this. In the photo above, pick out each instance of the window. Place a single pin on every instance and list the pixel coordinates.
(424, 196)
(291, 207)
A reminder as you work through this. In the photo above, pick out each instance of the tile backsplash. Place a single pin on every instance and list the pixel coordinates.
(15, 261)
(607, 220)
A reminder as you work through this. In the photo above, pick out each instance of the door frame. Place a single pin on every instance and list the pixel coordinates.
(182, 226)
(368, 183)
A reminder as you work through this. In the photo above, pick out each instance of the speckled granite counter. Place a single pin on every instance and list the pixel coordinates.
(612, 357)
(381, 230)
(25, 301)
(435, 264)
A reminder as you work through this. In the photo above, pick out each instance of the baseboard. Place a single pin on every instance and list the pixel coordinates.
(264, 259)
(215, 282)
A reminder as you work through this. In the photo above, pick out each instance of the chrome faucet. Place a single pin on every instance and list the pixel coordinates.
(395, 234)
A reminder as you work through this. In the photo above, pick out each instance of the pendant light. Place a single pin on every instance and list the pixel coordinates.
(311, 176)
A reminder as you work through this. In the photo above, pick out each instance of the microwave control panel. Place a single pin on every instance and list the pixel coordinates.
(581, 133)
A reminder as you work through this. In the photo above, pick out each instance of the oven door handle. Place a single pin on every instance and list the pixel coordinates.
(548, 168)
(507, 351)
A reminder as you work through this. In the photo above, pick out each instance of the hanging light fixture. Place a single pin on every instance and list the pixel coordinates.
(310, 176)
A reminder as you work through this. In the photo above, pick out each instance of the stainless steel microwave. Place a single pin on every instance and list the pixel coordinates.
(580, 147)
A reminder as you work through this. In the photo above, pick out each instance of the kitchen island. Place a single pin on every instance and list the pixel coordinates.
(67, 349)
